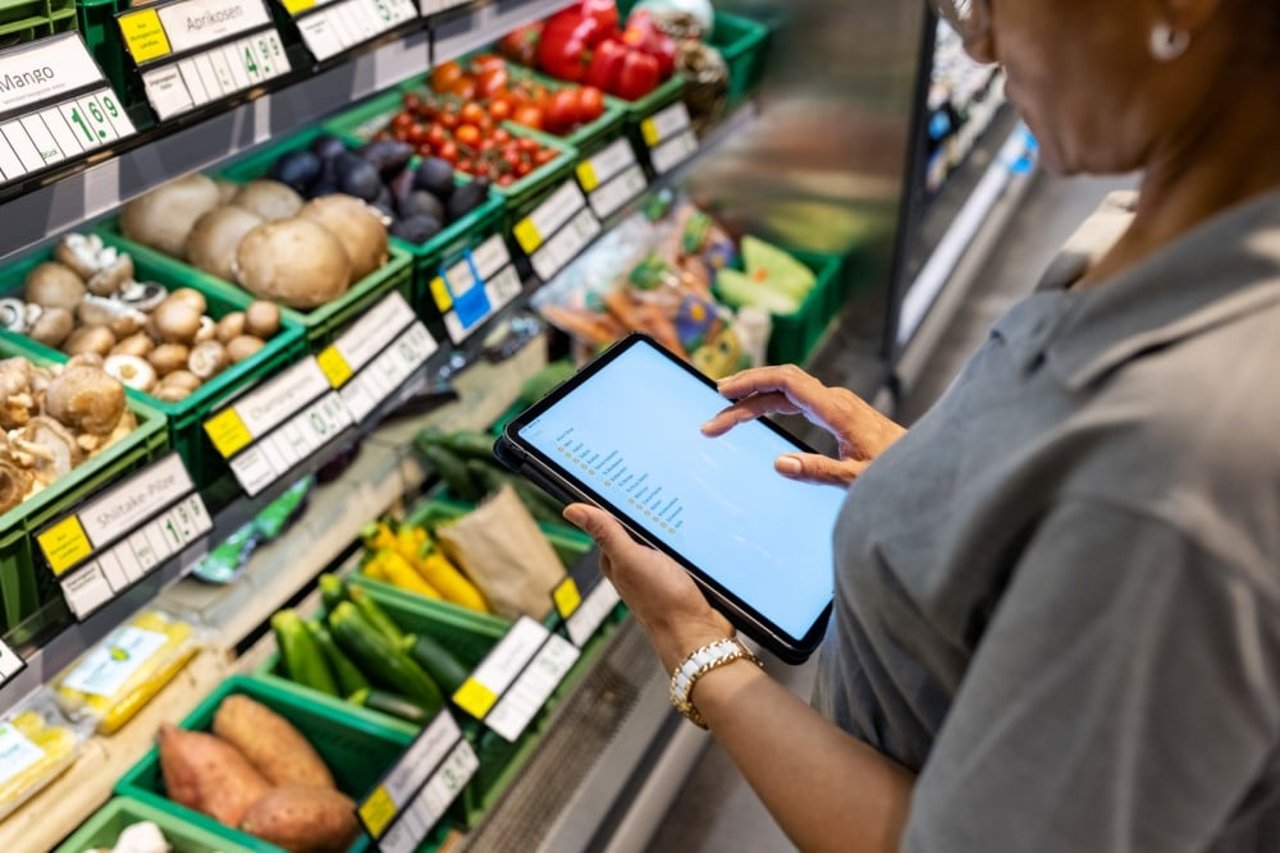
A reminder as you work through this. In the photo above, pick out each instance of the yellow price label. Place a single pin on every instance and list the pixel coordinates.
(334, 367)
(527, 235)
(474, 698)
(228, 433)
(440, 293)
(567, 598)
(293, 7)
(378, 811)
(145, 36)
(649, 130)
(587, 176)
(65, 544)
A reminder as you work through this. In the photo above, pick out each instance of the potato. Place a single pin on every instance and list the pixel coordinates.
(357, 227)
(211, 246)
(272, 745)
(164, 217)
(209, 775)
(271, 200)
(295, 262)
(304, 820)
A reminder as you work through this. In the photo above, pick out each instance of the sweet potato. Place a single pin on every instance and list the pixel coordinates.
(208, 775)
(304, 820)
(272, 745)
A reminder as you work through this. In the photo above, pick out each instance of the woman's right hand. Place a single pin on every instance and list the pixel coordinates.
(861, 432)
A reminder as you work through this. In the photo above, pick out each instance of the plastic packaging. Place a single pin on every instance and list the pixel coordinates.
(120, 675)
(144, 837)
(37, 743)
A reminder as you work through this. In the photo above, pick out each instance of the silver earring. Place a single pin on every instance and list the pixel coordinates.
(1168, 44)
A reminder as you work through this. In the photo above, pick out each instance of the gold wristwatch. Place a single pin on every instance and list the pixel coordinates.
(709, 657)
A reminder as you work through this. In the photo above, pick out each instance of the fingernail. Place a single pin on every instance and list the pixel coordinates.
(788, 465)
(575, 515)
(706, 428)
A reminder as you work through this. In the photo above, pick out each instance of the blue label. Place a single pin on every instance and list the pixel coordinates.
(472, 306)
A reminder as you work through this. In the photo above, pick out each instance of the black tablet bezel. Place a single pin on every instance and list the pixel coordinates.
(552, 477)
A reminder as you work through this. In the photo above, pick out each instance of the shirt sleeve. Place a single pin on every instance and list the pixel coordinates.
(1124, 697)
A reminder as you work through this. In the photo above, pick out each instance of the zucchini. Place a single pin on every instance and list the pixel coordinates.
(304, 663)
(452, 470)
(391, 704)
(345, 673)
(439, 663)
(384, 663)
(333, 591)
(375, 615)
(470, 445)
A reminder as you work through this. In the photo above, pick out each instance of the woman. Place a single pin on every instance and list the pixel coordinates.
(1057, 620)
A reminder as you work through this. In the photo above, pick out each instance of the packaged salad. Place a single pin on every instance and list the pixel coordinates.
(37, 743)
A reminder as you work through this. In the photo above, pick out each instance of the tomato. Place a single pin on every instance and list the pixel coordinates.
(511, 158)
(467, 166)
(467, 134)
(523, 169)
(490, 81)
(402, 121)
(529, 117)
(448, 119)
(564, 111)
(418, 134)
(448, 151)
(506, 180)
(499, 110)
(502, 136)
(444, 77)
(426, 150)
(487, 145)
(472, 113)
(528, 146)
(482, 62)
(482, 170)
(411, 101)
(436, 134)
(544, 156)
(464, 89)
(590, 104)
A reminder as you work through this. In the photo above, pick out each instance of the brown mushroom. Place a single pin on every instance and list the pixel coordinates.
(51, 285)
(16, 402)
(207, 359)
(85, 399)
(262, 320)
(177, 320)
(230, 327)
(184, 379)
(167, 358)
(192, 297)
(52, 327)
(53, 446)
(170, 393)
(208, 330)
(139, 345)
(117, 270)
(133, 371)
(89, 339)
(163, 218)
(15, 482)
(79, 253)
(244, 347)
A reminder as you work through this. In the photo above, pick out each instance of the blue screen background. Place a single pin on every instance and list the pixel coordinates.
(633, 434)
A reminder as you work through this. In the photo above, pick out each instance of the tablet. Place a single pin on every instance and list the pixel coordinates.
(625, 434)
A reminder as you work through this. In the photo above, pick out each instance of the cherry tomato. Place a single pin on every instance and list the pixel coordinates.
(448, 119)
(467, 134)
(499, 110)
(467, 166)
(490, 81)
(502, 136)
(529, 117)
(402, 121)
(528, 146)
(444, 77)
(523, 169)
(482, 62)
(448, 151)
(563, 112)
(472, 113)
(487, 145)
(426, 150)
(590, 104)
(482, 170)
(506, 180)
(544, 156)
(436, 134)
(418, 134)
(511, 159)
(411, 102)
(464, 89)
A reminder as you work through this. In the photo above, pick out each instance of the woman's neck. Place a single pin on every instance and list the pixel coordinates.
(1231, 160)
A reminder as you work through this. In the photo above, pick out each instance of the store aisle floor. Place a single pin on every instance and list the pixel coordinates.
(716, 812)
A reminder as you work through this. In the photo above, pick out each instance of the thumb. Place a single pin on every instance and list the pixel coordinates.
(598, 524)
(815, 468)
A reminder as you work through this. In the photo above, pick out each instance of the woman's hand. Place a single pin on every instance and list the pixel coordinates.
(661, 595)
(861, 431)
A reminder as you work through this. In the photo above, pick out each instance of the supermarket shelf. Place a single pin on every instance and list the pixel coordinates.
(163, 153)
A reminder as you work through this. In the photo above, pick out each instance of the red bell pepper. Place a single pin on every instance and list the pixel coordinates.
(564, 49)
(644, 34)
(606, 14)
(606, 65)
(640, 75)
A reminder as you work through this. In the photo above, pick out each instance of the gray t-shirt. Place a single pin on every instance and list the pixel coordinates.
(1058, 596)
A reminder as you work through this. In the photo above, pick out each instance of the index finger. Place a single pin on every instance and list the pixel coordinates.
(764, 380)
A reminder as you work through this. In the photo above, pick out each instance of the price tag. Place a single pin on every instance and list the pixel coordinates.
(673, 152)
(365, 339)
(610, 198)
(566, 245)
(407, 777)
(195, 52)
(10, 663)
(665, 124)
(611, 178)
(435, 7)
(118, 538)
(532, 231)
(516, 678)
(475, 287)
(405, 356)
(444, 786)
(331, 27)
(55, 105)
(582, 622)
(277, 425)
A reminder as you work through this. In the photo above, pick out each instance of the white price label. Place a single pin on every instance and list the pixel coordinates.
(583, 623)
(123, 508)
(272, 457)
(335, 27)
(491, 256)
(498, 291)
(182, 86)
(367, 337)
(531, 690)
(266, 407)
(473, 289)
(610, 198)
(190, 24)
(548, 217)
(58, 106)
(665, 123)
(435, 7)
(10, 663)
(674, 151)
(441, 790)
(388, 371)
(557, 252)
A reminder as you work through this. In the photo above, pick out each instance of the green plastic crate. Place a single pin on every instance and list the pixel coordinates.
(321, 325)
(744, 44)
(31, 602)
(186, 417)
(28, 20)
(466, 233)
(356, 745)
(358, 125)
(102, 829)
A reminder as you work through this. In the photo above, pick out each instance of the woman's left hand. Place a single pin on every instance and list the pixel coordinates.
(661, 595)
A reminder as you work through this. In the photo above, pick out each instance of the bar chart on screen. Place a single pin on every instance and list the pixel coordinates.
(610, 474)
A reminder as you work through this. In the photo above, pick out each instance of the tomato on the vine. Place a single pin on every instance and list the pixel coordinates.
(464, 89)
(590, 104)
(467, 134)
(444, 77)
(544, 156)
(467, 166)
(472, 113)
(499, 110)
(490, 81)
(436, 134)
(502, 136)
(528, 145)
(448, 151)
(529, 117)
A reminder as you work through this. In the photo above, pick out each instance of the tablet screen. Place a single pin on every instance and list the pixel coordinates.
(632, 434)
